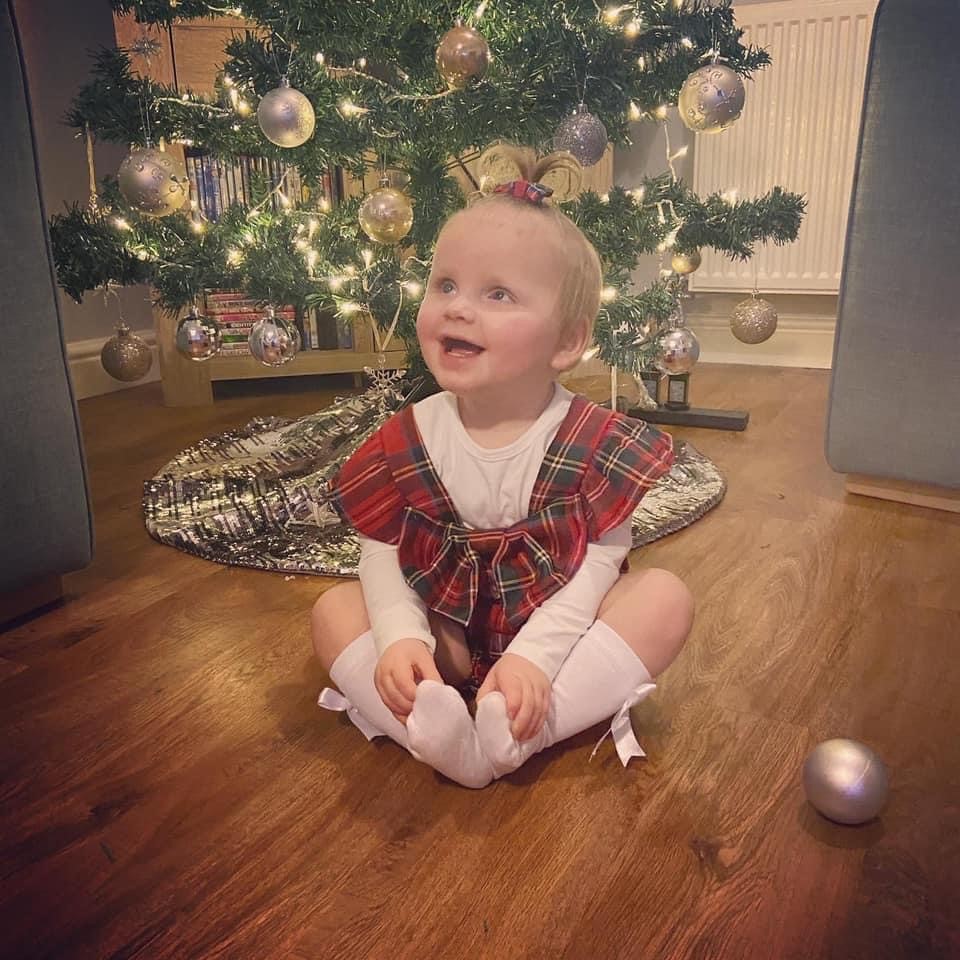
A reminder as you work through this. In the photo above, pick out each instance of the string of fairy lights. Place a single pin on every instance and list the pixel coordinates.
(365, 266)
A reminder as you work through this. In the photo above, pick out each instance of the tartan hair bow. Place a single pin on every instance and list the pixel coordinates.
(534, 193)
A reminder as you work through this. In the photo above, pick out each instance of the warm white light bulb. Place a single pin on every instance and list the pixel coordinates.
(608, 294)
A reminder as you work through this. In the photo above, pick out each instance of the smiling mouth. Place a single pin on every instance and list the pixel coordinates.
(460, 348)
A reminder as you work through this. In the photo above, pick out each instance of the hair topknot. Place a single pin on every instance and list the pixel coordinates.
(504, 162)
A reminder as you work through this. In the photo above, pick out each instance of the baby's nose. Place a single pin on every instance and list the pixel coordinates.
(460, 308)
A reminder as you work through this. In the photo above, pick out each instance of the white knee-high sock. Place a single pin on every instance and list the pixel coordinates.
(439, 731)
(602, 677)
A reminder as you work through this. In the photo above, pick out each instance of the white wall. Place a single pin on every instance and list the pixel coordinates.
(57, 36)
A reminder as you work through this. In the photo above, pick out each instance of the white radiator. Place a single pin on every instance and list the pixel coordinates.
(799, 130)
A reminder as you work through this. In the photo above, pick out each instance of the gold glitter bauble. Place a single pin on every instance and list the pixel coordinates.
(125, 356)
(286, 116)
(386, 214)
(684, 263)
(754, 320)
(711, 99)
(153, 181)
(463, 55)
(198, 337)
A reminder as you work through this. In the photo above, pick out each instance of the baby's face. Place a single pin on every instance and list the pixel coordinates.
(489, 315)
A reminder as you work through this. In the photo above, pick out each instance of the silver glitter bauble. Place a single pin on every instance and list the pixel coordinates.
(677, 350)
(753, 320)
(711, 98)
(583, 135)
(125, 356)
(153, 181)
(274, 341)
(845, 780)
(286, 116)
(198, 337)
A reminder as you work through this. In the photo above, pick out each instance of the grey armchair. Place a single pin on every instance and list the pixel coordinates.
(45, 522)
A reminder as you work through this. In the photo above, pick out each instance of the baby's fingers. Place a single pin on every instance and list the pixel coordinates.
(525, 715)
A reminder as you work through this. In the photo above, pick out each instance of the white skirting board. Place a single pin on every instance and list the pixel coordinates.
(89, 377)
(798, 342)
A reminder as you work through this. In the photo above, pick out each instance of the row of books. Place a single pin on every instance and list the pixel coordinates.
(236, 313)
(217, 184)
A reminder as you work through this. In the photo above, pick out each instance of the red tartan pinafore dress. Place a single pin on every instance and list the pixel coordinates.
(592, 477)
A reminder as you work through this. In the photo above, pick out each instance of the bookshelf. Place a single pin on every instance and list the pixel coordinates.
(189, 58)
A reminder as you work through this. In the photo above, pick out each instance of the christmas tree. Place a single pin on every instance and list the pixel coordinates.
(416, 92)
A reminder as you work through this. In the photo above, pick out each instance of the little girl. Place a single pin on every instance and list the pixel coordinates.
(494, 517)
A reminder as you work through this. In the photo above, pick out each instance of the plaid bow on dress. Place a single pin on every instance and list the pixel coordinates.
(594, 473)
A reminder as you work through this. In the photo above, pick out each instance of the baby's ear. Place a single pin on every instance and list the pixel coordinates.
(571, 347)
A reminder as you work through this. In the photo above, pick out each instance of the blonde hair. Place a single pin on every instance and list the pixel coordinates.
(579, 297)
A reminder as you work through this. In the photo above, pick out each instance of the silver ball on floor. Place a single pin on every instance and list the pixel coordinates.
(845, 781)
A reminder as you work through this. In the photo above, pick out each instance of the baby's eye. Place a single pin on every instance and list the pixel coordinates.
(500, 294)
(445, 286)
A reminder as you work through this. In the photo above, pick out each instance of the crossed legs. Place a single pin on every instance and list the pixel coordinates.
(641, 626)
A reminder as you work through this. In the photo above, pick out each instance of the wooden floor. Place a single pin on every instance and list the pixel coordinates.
(170, 789)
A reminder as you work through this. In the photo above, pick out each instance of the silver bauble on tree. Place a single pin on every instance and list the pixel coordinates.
(125, 356)
(711, 98)
(583, 135)
(753, 320)
(677, 350)
(386, 214)
(198, 337)
(845, 781)
(153, 181)
(286, 116)
(273, 340)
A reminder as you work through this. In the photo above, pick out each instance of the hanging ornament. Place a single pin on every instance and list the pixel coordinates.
(286, 116)
(684, 263)
(386, 214)
(198, 337)
(125, 356)
(583, 135)
(711, 98)
(463, 55)
(153, 181)
(274, 341)
(677, 350)
(754, 320)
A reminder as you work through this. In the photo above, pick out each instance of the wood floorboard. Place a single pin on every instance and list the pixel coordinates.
(169, 789)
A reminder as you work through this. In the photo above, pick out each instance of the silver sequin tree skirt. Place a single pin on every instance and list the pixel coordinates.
(254, 497)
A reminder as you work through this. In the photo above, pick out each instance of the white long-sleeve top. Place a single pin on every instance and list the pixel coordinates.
(491, 489)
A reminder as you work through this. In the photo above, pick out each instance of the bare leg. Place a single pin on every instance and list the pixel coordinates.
(340, 616)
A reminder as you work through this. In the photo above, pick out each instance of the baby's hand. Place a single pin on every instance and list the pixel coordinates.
(403, 665)
(526, 689)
